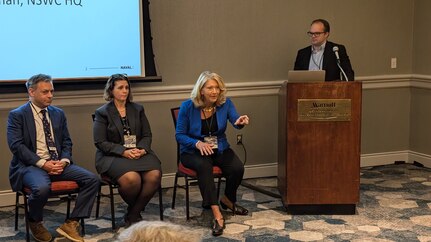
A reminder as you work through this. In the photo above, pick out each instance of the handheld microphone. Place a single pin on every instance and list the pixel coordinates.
(335, 49)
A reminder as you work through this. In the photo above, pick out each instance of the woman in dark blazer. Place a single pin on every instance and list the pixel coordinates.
(200, 131)
(122, 136)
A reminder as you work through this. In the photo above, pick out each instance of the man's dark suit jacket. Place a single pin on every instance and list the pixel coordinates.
(108, 132)
(329, 64)
(21, 137)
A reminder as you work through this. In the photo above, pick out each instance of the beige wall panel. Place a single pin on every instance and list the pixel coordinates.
(422, 38)
(260, 137)
(385, 120)
(5, 153)
(80, 125)
(248, 40)
(420, 120)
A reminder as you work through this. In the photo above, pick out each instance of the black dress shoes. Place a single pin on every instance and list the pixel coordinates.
(237, 209)
(217, 229)
(129, 220)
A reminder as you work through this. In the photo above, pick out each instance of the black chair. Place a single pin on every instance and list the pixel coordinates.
(106, 181)
(188, 174)
(67, 189)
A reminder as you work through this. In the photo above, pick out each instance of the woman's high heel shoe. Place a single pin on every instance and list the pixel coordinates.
(236, 209)
(127, 222)
(217, 229)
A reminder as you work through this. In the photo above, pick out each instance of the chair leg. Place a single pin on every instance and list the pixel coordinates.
(27, 233)
(218, 187)
(69, 198)
(187, 198)
(82, 227)
(161, 202)
(111, 198)
(98, 200)
(175, 191)
(16, 210)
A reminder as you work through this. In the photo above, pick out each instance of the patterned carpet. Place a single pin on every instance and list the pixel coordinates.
(395, 205)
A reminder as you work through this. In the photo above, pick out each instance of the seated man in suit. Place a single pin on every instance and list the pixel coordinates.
(39, 139)
(324, 55)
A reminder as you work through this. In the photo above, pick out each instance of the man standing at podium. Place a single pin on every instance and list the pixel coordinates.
(324, 55)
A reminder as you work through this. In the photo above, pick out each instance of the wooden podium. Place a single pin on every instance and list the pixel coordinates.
(319, 147)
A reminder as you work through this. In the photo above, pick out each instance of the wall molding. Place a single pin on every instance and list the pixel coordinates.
(424, 159)
(395, 81)
(384, 158)
(144, 93)
(387, 158)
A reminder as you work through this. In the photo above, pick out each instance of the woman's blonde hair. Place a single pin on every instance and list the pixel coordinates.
(154, 231)
(196, 95)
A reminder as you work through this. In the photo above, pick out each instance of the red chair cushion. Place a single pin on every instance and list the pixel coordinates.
(189, 172)
(58, 186)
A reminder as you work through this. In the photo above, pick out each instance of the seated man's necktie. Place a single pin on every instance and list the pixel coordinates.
(48, 137)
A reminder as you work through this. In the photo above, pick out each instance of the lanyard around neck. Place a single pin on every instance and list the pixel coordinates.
(211, 122)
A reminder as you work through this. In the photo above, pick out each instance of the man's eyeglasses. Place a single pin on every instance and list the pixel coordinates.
(317, 34)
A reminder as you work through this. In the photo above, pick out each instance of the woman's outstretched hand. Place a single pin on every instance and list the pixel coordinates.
(242, 120)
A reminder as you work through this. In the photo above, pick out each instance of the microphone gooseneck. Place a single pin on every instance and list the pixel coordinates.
(335, 49)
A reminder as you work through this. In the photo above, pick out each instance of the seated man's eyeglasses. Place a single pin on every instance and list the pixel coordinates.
(317, 34)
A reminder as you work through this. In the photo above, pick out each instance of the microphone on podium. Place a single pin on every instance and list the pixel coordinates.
(335, 49)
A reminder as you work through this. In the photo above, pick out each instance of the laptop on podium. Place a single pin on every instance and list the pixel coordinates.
(305, 76)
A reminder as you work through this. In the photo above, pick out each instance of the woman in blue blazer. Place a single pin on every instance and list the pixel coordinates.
(200, 131)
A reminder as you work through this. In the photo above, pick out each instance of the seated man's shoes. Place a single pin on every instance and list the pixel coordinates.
(70, 230)
(237, 209)
(217, 229)
(39, 232)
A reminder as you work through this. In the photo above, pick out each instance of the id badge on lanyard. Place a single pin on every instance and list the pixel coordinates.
(130, 141)
(211, 140)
